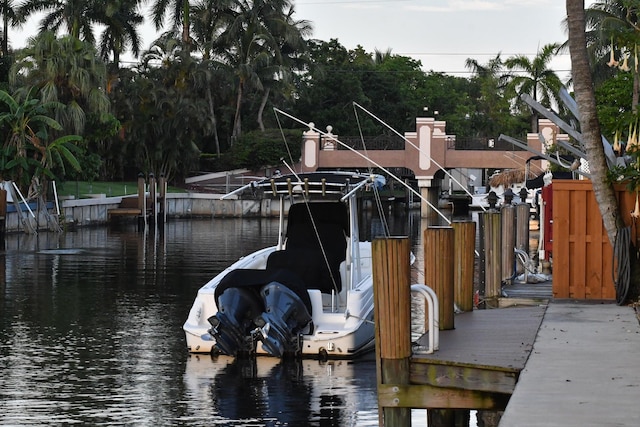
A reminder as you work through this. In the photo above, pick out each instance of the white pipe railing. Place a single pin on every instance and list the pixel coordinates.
(433, 316)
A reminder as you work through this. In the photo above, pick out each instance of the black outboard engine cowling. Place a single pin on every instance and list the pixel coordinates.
(232, 325)
(285, 317)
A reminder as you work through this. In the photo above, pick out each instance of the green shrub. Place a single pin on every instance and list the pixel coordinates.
(259, 149)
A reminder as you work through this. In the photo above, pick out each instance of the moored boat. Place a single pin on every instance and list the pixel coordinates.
(309, 295)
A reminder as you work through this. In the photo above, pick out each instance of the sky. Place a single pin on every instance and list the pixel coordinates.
(441, 34)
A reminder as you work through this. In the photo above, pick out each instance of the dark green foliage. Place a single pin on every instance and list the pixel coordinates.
(5, 66)
(92, 165)
(614, 103)
(255, 150)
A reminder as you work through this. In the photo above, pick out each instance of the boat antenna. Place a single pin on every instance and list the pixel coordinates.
(391, 174)
(419, 150)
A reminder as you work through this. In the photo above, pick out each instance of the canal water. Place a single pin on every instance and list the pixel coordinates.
(91, 334)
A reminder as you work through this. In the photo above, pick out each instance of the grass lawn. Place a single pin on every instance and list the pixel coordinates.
(79, 189)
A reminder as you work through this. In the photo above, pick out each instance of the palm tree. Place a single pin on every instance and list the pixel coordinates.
(253, 42)
(167, 109)
(66, 71)
(290, 35)
(492, 96)
(27, 124)
(535, 78)
(589, 125)
(121, 19)
(9, 17)
(76, 16)
(180, 17)
(209, 18)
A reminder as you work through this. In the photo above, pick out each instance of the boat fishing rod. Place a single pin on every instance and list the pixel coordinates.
(355, 104)
(333, 138)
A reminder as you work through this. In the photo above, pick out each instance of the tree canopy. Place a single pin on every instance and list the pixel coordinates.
(219, 68)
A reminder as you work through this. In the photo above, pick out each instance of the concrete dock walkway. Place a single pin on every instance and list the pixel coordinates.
(584, 369)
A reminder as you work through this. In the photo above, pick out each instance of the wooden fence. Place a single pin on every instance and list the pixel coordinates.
(582, 254)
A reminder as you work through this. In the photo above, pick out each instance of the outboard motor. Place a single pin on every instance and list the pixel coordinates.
(285, 317)
(232, 325)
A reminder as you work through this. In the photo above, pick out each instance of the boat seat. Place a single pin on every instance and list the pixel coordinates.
(309, 265)
(316, 231)
(255, 279)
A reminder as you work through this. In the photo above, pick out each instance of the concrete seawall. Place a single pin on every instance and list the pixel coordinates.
(94, 210)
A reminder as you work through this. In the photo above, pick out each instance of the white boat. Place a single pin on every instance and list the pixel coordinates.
(309, 295)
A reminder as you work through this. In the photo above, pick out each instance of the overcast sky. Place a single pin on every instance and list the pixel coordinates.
(441, 34)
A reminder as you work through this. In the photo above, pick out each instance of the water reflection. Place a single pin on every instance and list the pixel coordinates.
(91, 334)
(268, 391)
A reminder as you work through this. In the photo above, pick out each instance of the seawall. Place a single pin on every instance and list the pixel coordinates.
(95, 210)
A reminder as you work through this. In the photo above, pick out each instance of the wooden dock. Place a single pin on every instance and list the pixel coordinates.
(481, 352)
(477, 366)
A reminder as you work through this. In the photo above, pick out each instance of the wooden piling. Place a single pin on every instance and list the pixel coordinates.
(464, 257)
(438, 270)
(142, 203)
(508, 242)
(522, 231)
(162, 185)
(153, 198)
(392, 311)
(492, 255)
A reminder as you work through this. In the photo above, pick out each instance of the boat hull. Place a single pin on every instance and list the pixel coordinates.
(343, 325)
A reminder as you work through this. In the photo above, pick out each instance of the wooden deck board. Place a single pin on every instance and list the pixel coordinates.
(477, 365)
(498, 338)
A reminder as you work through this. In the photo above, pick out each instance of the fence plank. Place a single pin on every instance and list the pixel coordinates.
(582, 254)
(578, 226)
(561, 271)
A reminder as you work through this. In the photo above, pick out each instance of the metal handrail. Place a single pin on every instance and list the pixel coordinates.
(433, 316)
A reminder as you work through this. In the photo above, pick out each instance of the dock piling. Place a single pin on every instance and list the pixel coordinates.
(439, 270)
(492, 234)
(464, 259)
(392, 311)
(508, 243)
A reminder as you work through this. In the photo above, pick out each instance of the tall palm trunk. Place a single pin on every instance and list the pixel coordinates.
(186, 25)
(263, 103)
(5, 29)
(214, 122)
(589, 124)
(237, 121)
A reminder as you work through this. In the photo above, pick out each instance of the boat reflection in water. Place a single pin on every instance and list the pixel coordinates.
(272, 391)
